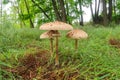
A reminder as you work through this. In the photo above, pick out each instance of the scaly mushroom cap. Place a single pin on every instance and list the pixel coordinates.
(48, 34)
(77, 34)
(56, 25)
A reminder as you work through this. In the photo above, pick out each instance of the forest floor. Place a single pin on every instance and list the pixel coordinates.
(24, 56)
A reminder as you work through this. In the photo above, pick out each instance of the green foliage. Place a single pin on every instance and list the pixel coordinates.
(118, 4)
(116, 18)
(37, 11)
(5, 1)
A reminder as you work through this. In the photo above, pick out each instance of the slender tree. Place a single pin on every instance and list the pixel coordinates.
(21, 15)
(62, 10)
(56, 10)
(27, 7)
(81, 12)
(114, 7)
(67, 11)
(1, 8)
(59, 9)
(95, 11)
(105, 19)
(110, 10)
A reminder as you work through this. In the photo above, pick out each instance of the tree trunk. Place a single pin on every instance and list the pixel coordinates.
(1, 11)
(81, 14)
(22, 16)
(95, 13)
(67, 12)
(98, 8)
(105, 20)
(91, 9)
(31, 23)
(56, 10)
(95, 8)
(110, 10)
(63, 11)
(114, 9)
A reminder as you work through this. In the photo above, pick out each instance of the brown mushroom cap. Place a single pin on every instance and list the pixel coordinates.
(48, 34)
(77, 34)
(56, 25)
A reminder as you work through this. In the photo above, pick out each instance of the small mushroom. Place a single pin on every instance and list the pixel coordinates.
(56, 25)
(49, 35)
(77, 34)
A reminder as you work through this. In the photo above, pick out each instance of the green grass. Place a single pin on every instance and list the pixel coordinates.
(95, 58)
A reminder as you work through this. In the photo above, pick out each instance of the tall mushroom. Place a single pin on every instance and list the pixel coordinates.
(55, 26)
(48, 35)
(77, 34)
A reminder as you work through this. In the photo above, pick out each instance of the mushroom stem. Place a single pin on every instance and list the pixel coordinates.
(51, 44)
(76, 44)
(57, 57)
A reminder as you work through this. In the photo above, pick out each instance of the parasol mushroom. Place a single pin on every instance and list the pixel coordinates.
(56, 25)
(77, 34)
(48, 35)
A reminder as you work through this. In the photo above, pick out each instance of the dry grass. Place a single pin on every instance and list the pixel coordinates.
(29, 64)
(114, 42)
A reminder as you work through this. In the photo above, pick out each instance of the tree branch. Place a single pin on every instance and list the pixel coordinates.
(41, 9)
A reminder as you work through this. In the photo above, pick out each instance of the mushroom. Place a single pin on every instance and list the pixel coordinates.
(48, 35)
(77, 34)
(56, 25)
